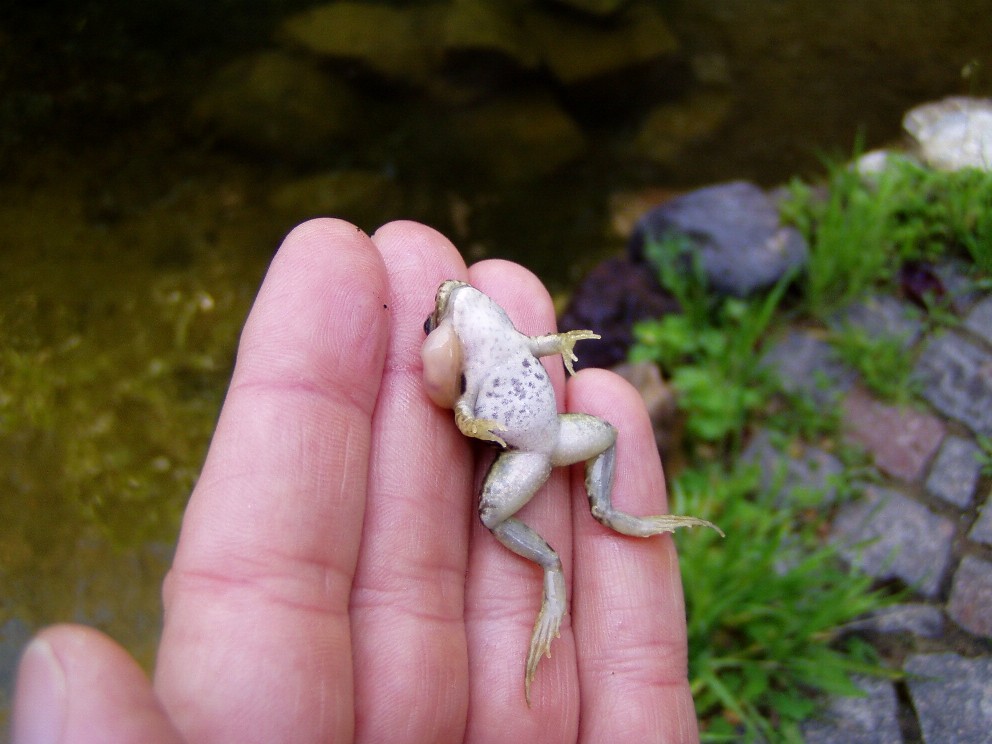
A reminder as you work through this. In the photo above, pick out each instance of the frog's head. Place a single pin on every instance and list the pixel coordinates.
(442, 352)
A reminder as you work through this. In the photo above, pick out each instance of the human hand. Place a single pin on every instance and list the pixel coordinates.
(332, 581)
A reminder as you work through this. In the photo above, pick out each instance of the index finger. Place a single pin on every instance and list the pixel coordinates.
(256, 644)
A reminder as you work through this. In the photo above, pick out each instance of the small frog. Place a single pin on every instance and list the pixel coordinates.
(479, 364)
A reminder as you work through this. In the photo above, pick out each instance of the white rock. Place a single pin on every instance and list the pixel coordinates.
(954, 133)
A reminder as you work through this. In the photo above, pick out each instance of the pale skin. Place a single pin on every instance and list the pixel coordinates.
(332, 580)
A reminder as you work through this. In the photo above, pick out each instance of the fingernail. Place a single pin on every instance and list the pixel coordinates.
(40, 702)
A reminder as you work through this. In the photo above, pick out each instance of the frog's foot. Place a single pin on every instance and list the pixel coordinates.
(479, 428)
(567, 345)
(656, 525)
(548, 625)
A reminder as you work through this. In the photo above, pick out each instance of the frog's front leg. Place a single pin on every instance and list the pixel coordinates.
(559, 343)
(478, 428)
(511, 482)
(586, 437)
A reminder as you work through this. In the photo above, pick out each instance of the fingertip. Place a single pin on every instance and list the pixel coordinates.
(75, 684)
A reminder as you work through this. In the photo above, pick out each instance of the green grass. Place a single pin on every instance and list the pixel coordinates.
(767, 605)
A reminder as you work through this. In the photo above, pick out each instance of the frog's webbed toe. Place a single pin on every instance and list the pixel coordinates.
(546, 629)
(656, 525)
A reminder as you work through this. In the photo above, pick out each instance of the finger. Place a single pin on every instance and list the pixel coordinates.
(256, 644)
(503, 593)
(629, 614)
(76, 685)
(407, 606)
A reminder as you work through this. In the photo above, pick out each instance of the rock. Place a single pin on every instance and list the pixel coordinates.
(952, 697)
(669, 129)
(276, 104)
(607, 62)
(955, 472)
(872, 719)
(881, 316)
(513, 139)
(970, 605)
(735, 229)
(361, 197)
(659, 399)
(982, 529)
(627, 207)
(800, 470)
(595, 7)
(609, 300)
(954, 133)
(923, 620)
(900, 440)
(397, 43)
(979, 320)
(480, 27)
(957, 378)
(809, 366)
(888, 535)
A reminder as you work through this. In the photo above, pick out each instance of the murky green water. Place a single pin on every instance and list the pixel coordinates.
(134, 237)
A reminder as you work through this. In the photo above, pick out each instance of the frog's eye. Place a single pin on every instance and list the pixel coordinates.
(429, 325)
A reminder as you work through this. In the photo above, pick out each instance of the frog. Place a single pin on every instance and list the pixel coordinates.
(477, 363)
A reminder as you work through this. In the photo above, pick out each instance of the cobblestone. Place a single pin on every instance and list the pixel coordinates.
(982, 529)
(955, 472)
(952, 697)
(971, 596)
(882, 316)
(979, 320)
(957, 376)
(810, 366)
(810, 470)
(872, 719)
(888, 535)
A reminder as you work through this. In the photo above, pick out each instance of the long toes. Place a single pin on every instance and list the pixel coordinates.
(547, 628)
(671, 522)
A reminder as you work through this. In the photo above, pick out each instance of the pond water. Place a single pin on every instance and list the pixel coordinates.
(153, 154)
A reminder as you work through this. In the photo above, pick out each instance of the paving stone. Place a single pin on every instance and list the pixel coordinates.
(970, 605)
(808, 469)
(955, 472)
(981, 531)
(917, 618)
(888, 535)
(979, 320)
(959, 284)
(901, 440)
(957, 377)
(810, 366)
(882, 316)
(872, 719)
(952, 697)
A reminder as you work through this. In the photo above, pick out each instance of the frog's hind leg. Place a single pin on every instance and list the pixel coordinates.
(585, 437)
(512, 481)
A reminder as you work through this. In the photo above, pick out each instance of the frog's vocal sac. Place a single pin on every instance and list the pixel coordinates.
(476, 362)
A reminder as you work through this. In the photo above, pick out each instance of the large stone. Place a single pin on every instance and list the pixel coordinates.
(954, 133)
(361, 197)
(900, 440)
(277, 104)
(957, 377)
(398, 43)
(513, 139)
(955, 472)
(809, 366)
(890, 536)
(952, 697)
(578, 51)
(872, 719)
(610, 299)
(971, 596)
(735, 230)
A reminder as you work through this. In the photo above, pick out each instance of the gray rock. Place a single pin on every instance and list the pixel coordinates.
(954, 133)
(881, 316)
(952, 697)
(923, 620)
(276, 104)
(955, 472)
(982, 529)
(889, 535)
(872, 719)
(809, 366)
(957, 378)
(970, 605)
(979, 320)
(735, 229)
(810, 471)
